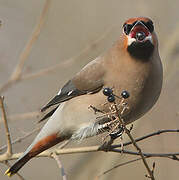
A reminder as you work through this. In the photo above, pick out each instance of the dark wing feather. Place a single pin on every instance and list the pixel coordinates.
(67, 92)
(64, 96)
(48, 114)
(89, 80)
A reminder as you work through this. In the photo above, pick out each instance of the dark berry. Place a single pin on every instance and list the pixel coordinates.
(111, 98)
(125, 94)
(107, 91)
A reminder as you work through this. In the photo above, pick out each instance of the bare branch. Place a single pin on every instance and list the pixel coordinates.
(167, 155)
(24, 55)
(133, 141)
(48, 153)
(147, 136)
(119, 165)
(51, 69)
(67, 62)
(9, 146)
(125, 163)
(64, 144)
(54, 156)
(95, 148)
(16, 75)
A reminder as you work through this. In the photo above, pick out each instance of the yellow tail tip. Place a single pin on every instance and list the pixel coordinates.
(8, 173)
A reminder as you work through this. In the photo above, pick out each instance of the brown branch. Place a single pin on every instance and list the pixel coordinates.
(48, 153)
(167, 155)
(19, 139)
(9, 146)
(134, 142)
(119, 165)
(95, 148)
(64, 144)
(147, 136)
(128, 162)
(67, 62)
(24, 55)
(51, 69)
(16, 75)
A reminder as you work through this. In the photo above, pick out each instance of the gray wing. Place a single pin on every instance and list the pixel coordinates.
(88, 81)
(67, 92)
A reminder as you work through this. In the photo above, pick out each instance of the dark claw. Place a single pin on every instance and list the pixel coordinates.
(111, 98)
(106, 145)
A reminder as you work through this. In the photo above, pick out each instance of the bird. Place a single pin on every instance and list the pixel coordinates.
(132, 63)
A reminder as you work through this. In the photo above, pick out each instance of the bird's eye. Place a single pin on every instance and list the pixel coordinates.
(127, 28)
(150, 26)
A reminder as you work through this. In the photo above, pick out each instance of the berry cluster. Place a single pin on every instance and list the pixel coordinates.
(111, 97)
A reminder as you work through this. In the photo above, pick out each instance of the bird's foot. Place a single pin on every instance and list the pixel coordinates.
(106, 145)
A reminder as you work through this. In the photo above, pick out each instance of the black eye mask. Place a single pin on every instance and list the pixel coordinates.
(128, 27)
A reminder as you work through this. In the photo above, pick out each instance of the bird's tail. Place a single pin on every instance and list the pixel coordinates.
(34, 150)
(17, 165)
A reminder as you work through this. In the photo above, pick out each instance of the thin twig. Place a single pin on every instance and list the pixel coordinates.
(67, 62)
(48, 153)
(134, 143)
(59, 165)
(171, 155)
(95, 148)
(125, 163)
(9, 146)
(51, 69)
(147, 136)
(16, 75)
(64, 144)
(24, 55)
(119, 165)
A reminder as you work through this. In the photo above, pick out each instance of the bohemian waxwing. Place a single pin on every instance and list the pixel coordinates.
(132, 64)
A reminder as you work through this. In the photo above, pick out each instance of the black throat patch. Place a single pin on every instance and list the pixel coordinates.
(141, 50)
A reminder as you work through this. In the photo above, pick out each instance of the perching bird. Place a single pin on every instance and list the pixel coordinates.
(132, 64)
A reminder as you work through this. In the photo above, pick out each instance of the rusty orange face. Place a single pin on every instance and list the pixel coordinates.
(138, 35)
(138, 29)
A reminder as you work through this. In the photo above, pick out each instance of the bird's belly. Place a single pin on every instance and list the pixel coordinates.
(142, 98)
(76, 113)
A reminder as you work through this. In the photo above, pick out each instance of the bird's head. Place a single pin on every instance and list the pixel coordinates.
(139, 37)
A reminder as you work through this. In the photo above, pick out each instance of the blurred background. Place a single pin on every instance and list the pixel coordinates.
(82, 30)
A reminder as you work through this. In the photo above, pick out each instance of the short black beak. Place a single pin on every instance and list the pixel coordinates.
(140, 35)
